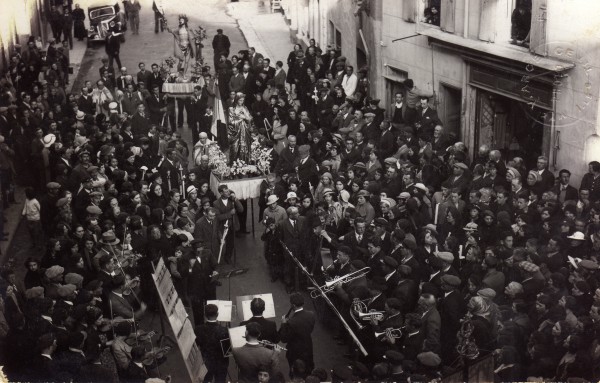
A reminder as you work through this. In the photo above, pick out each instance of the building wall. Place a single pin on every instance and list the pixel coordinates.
(18, 20)
(569, 34)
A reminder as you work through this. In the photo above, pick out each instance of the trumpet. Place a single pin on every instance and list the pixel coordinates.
(394, 333)
(267, 344)
(377, 315)
(358, 306)
(330, 285)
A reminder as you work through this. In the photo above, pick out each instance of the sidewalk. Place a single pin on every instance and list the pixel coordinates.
(13, 213)
(267, 32)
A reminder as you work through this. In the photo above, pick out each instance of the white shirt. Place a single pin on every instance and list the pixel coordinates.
(349, 84)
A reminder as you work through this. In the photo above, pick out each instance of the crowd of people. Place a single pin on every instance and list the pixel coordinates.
(434, 256)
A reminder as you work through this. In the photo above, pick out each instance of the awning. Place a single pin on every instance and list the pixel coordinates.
(499, 51)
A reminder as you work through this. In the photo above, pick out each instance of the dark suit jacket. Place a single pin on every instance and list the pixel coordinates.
(221, 44)
(431, 328)
(250, 357)
(208, 233)
(547, 180)
(87, 105)
(359, 250)
(209, 337)
(154, 80)
(268, 329)
(168, 171)
(237, 83)
(140, 126)
(292, 238)
(407, 291)
(120, 306)
(145, 78)
(452, 310)
(308, 173)
(572, 194)
(135, 373)
(297, 334)
(154, 108)
(412, 345)
(287, 161)
(70, 362)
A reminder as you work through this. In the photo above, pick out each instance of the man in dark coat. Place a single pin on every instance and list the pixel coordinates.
(563, 190)
(157, 105)
(296, 330)
(221, 45)
(268, 329)
(212, 338)
(292, 234)
(207, 231)
(452, 309)
(71, 360)
(140, 124)
(427, 118)
(288, 157)
(306, 167)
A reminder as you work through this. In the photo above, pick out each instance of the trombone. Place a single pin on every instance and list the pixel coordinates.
(394, 333)
(330, 285)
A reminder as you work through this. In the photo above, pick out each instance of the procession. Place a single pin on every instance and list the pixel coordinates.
(225, 214)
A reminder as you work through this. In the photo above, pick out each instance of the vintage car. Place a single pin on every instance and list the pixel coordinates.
(99, 18)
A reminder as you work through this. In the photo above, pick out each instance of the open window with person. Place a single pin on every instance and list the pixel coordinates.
(521, 23)
(432, 12)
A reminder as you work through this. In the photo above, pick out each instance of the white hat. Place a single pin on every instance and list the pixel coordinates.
(48, 140)
(578, 236)
(80, 115)
(419, 185)
(191, 189)
(112, 105)
(272, 199)
(291, 195)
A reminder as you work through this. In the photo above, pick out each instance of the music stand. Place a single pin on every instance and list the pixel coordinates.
(232, 273)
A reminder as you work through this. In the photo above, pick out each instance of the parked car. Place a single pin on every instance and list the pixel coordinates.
(99, 18)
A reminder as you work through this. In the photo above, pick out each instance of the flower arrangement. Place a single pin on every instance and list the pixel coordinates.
(165, 68)
(218, 161)
(199, 35)
(241, 168)
(261, 157)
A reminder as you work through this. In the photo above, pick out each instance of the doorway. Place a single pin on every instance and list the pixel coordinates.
(449, 110)
(513, 127)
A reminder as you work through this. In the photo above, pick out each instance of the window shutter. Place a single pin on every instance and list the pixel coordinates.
(487, 21)
(409, 9)
(447, 15)
(537, 34)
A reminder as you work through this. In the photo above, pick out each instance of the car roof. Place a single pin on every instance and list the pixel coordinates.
(97, 4)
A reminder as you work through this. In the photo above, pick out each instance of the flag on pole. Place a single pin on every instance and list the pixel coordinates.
(218, 113)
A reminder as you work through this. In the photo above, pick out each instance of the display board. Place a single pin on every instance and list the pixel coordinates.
(179, 321)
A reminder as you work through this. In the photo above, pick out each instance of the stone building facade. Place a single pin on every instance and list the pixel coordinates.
(524, 99)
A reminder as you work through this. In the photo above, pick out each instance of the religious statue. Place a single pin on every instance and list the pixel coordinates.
(184, 47)
(239, 130)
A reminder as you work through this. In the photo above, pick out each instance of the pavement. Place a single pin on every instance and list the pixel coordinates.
(247, 23)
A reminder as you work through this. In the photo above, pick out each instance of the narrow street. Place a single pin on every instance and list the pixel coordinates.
(149, 48)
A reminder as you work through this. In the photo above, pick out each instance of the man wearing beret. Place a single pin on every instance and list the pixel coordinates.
(459, 179)
(452, 309)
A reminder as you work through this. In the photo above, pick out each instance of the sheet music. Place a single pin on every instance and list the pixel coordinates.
(225, 308)
(237, 336)
(269, 306)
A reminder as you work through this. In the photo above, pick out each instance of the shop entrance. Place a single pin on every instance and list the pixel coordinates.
(513, 127)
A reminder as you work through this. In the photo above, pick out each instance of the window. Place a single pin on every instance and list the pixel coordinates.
(338, 38)
(432, 12)
(520, 21)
